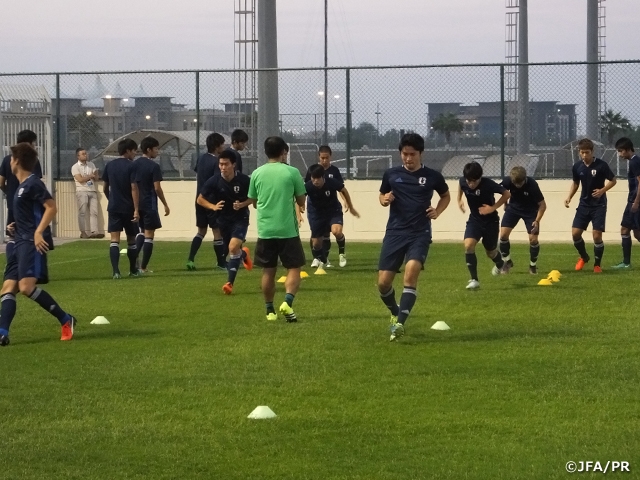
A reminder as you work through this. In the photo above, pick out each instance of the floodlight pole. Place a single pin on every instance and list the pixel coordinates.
(268, 108)
(592, 70)
(326, 73)
(523, 137)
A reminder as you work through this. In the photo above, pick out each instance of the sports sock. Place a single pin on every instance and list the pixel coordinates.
(270, 308)
(341, 242)
(319, 254)
(326, 246)
(47, 302)
(195, 246)
(289, 299)
(472, 265)
(147, 250)
(7, 312)
(232, 267)
(389, 299)
(218, 247)
(132, 255)
(114, 255)
(407, 301)
(626, 249)
(534, 251)
(497, 259)
(139, 243)
(505, 250)
(582, 249)
(598, 251)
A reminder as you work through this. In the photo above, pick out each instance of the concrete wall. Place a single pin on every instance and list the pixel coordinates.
(555, 226)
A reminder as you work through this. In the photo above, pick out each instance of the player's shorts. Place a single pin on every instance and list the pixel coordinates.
(398, 248)
(288, 250)
(234, 230)
(511, 218)
(597, 216)
(630, 219)
(122, 221)
(149, 220)
(320, 222)
(26, 262)
(206, 218)
(487, 230)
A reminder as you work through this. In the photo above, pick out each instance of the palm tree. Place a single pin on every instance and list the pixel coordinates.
(612, 123)
(447, 124)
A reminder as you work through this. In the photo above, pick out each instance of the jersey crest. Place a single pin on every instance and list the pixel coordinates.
(422, 180)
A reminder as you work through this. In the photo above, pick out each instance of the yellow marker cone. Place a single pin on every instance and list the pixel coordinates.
(320, 271)
(555, 273)
(553, 278)
(545, 281)
(282, 279)
(304, 274)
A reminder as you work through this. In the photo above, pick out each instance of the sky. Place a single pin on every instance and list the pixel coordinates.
(81, 35)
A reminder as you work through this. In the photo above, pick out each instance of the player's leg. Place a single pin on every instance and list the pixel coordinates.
(318, 253)
(11, 241)
(626, 225)
(140, 235)
(8, 298)
(534, 245)
(326, 246)
(509, 221)
(236, 254)
(490, 235)
(598, 221)
(472, 235)
(319, 225)
(266, 257)
(131, 230)
(202, 224)
(580, 224)
(392, 254)
(114, 252)
(291, 255)
(219, 247)
(337, 221)
(147, 249)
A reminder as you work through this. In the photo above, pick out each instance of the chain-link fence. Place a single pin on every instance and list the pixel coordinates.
(464, 112)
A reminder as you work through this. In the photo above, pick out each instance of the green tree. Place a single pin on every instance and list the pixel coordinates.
(87, 129)
(447, 123)
(611, 123)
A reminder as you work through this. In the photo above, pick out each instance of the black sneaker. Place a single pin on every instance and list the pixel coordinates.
(4, 340)
(508, 265)
(533, 270)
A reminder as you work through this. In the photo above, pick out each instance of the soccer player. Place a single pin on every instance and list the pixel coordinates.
(591, 172)
(407, 190)
(631, 216)
(206, 168)
(324, 212)
(274, 187)
(121, 189)
(331, 172)
(239, 139)
(9, 183)
(33, 210)
(526, 204)
(484, 222)
(223, 193)
(148, 177)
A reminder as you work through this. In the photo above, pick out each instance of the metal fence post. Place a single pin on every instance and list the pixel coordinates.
(348, 139)
(58, 154)
(197, 114)
(502, 122)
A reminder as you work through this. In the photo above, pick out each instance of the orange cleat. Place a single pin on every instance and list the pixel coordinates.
(227, 288)
(246, 261)
(597, 269)
(580, 264)
(67, 330)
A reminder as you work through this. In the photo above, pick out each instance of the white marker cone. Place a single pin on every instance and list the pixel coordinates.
(440, 326)
(123, 251)
(262, 412)
(100, 320)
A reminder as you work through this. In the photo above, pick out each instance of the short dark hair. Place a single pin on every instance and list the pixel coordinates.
(316, 171)
(624, 143)
(25, 155)
(412, 140)
(26, 136)
(228, 155)
(325, 149)
(125, 145)
(274, 147)
(214, 140)
(148, 143)
(586, 144)
(472, 171)
(239, 136)
(80, 149)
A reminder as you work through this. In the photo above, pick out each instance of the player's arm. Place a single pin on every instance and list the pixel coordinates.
(49, 214)
(598, 192)
(160, 194)
(135, 195)
(441, 206)
(3, 184)
(300, 201)
(572, 191)
(635, 206)
(299, 214)
(344, 193)
(203, 202)
(240, 205)
(105, 188)
(460, 201)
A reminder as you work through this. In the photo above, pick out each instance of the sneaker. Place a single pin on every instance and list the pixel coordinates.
(144, 271)
(246, 261)
(227, 288)
(394, 320)
(581, 263)
(533, 269)
(4, 340)
(67, 329)
(508, 265)
(495, 271)
(287, 311)
(117, 276)
(136, 274)
(191, 265)
(343, 260)
(597, 269)
(220, 267)
(272, 317)
(328, 264)
(315, 263)
(473, 284)
(397, 331)
(621, 266)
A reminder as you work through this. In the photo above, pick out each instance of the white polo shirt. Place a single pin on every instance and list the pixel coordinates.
(84, 169)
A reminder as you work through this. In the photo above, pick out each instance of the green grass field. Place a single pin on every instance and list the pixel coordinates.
(527, 379)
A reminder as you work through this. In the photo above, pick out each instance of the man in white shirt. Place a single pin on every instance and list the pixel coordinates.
(86, 174)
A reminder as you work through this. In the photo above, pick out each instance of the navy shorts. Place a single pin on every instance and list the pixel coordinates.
(398, 248)
(288, 250)
(234, 230)
(26, 262)
(206, 218)
(149, 220)
(122, 221)
(320, 222)
(511, 218)
(630, 220)
(597, 216)
(488, 231)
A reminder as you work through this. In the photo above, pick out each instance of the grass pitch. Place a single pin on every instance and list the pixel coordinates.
(527, 379)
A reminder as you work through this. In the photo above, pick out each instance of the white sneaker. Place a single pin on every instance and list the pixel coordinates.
(315, 263)
(473, 284)
(495, 271)
(343, 260)
(328, 264)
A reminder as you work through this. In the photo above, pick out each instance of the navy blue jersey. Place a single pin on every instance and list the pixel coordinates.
(236, 153)
(217, 189)
(11, 182)
(120, 174)
(592, 177)
(413, 192)
(483, 194)
(28, 207)
(324, 198)
(526, 198)
(147, 172)
(634, 173)
(206, 168)
(331, 172)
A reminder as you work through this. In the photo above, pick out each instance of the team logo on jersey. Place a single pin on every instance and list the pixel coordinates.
(422, 180)
(236, 189)
(593, 173)
(478, 192)
(526, 194)
(20, 191)
(327, 193)
(330, 175)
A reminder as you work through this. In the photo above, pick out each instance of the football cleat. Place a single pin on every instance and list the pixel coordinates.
(343, 260)
(191, 265)
(473, 284)
(397, 331)
(246, 261)
(227, 288)
(287, 311)
(67, 329)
